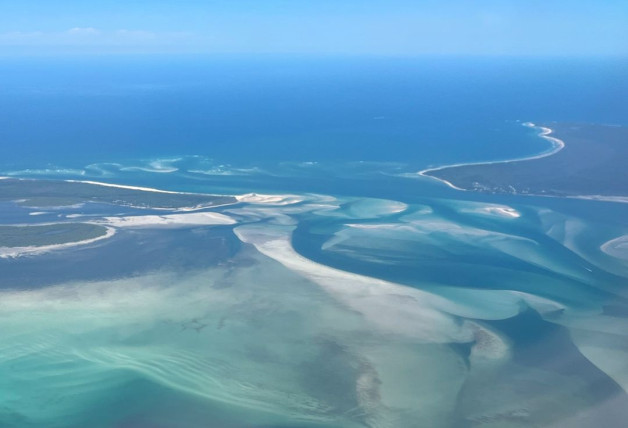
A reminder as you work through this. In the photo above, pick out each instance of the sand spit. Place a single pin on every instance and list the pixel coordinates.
(13, 252)
(557, 145)
(168, 220)
(391, 308)
(124, 186)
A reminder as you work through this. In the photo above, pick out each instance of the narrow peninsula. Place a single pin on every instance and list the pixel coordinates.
(590, 164)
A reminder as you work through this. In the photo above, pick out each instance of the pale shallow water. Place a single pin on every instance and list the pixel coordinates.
(341, 290)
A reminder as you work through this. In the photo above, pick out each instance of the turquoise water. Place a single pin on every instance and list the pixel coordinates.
(360, 294)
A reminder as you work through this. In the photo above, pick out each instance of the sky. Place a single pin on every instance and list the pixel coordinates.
(372, 27)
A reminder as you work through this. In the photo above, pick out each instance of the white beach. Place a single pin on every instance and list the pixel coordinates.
(557, 145)
(13, 252)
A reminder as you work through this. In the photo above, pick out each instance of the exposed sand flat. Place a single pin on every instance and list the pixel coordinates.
(507, 212)
(490, 210)
(256, 198)
(168, 220)
(617, 247)
(12, 252)
(489, 345)
(498, 211)
(392, 308)
(123, 186)
(189, 209)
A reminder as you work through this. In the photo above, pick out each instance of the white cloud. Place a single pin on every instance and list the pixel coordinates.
(83, 31)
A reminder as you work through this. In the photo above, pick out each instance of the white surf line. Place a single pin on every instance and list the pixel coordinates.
(602, 198)
(13, 252)
(557, 145)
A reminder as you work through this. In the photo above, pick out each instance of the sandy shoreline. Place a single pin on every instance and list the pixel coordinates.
(13, 252)
(124, 186)
(557, 145)
(251, 198)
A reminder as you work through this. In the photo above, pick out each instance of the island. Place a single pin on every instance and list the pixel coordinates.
(56, 193)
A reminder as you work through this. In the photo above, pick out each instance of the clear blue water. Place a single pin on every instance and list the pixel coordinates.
(119, 330)
(253, 111)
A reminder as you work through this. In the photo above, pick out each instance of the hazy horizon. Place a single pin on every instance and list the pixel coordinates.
(348, 27)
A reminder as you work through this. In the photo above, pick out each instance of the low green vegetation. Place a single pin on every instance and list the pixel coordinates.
(50, 193)
(51, 234)
(593, 162)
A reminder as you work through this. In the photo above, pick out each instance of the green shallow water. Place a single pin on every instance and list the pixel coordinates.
(446, 313)
(372, 297)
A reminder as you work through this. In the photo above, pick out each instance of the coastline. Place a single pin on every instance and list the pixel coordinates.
(14, 252)
(545, 132)
(139, 188)
(248, 198)
(137, 197)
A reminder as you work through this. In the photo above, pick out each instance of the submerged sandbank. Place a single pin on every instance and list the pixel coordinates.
(427, 317)
(617, 247)
(256, 198)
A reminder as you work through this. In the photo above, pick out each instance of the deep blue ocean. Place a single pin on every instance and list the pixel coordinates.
(279, 115)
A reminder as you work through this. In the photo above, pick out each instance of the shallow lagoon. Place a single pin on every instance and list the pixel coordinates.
(387, 314)
(348, 292)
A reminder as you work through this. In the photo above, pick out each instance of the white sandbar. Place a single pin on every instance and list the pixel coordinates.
(169, 220)
(617, 247)
(391, 308)
(124, 186)
(13, 252)
(256, 198)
